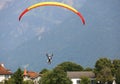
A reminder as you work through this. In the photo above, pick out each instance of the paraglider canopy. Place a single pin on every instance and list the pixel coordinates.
(52, 4)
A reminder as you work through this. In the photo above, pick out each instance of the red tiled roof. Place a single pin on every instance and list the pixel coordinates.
(4, 71)
(30, 74)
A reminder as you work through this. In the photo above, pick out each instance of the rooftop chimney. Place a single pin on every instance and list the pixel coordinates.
(2, 65)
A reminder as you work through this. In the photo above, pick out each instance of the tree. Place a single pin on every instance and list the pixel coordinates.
(116, 63)
(88, 69)
(44, 71)
(18, 76)
(105, 75)
(56, 76)
(101, 63)
(85, 80)
(70, 66)
(117, 76)
(103, 70)
(28, 82)
(116, 72)
(9, 81)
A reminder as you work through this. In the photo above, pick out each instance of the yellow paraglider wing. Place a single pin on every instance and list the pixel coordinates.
(52, 4)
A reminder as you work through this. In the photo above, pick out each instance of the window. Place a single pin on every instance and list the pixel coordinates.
(93, 81)
(78, 81)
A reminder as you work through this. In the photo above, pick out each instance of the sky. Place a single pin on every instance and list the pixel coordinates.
(59, 31)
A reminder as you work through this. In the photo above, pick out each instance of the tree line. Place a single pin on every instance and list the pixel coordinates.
(106, 70)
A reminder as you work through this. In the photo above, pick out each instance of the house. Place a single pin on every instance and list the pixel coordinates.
(76, 76)
(5, 74)
(31, 75)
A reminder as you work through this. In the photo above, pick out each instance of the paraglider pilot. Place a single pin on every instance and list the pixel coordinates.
(49, 56)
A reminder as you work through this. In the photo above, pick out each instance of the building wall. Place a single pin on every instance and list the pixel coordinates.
(2, 78)
(26, 78)
(75, 81)
(36, 80)
(7, 77)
